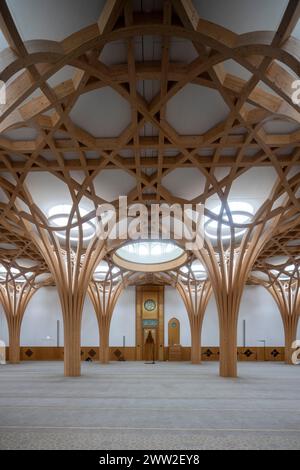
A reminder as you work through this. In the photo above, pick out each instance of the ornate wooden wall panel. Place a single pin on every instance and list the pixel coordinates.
(251, 354)
(150, 317)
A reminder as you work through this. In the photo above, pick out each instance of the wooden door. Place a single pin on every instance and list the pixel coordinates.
(173, 332)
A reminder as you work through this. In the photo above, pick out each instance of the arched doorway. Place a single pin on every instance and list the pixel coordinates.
(149, 345)
(173, 332)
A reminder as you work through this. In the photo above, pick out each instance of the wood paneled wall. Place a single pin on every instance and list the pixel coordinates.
(129, 353)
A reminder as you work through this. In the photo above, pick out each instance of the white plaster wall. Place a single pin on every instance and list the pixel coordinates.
(123, 320)
(263, 320)
(210, 330)
(3, 326)
(40, 319)
(258, 308)
(89, 327)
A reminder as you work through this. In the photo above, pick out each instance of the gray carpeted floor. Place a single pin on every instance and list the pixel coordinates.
(138, 406)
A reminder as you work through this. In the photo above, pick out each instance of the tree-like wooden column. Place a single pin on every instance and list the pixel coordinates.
(229, 260)
(72, 248)
(72, 266)
(284, 286)
(70, 256)
(104, 294)
(71, 253)
(16, 290)
(196, 294)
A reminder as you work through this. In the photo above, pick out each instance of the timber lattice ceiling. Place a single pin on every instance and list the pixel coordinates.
(152, 101)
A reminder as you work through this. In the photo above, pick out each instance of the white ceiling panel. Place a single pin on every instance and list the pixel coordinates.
(110, 184)
(53, 19)
(242, 16)
(186, 183)
(102, 113)
(195, 109)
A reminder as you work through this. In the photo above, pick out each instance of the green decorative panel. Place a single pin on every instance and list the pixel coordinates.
(150, 323)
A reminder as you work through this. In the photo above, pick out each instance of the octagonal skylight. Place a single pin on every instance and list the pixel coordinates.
(287, 273)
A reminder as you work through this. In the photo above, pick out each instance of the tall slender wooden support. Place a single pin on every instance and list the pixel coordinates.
(104, 294)
(16, 290)
(14, 331)
(196, 294)
(284, 286)
(229, 262)
(72, 253)
(72, 272)
(287, 296)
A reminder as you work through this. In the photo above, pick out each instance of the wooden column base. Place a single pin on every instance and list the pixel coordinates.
(196, 358)
(288, 353)
(14, 346)
(104, 354)
(290, 334)
(288, 356)
(104, 342)
(196, 347)
(72, 349)
(228, 353)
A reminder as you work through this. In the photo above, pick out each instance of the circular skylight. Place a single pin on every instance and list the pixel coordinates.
(7, 246)
(43, 277)
(277, 260)
(293, 243)
(59, 216)
(241, 212)
(287, 274)
(15, 275)
(102, 270)
(150, 255)
(198, 270)
(260, 275)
